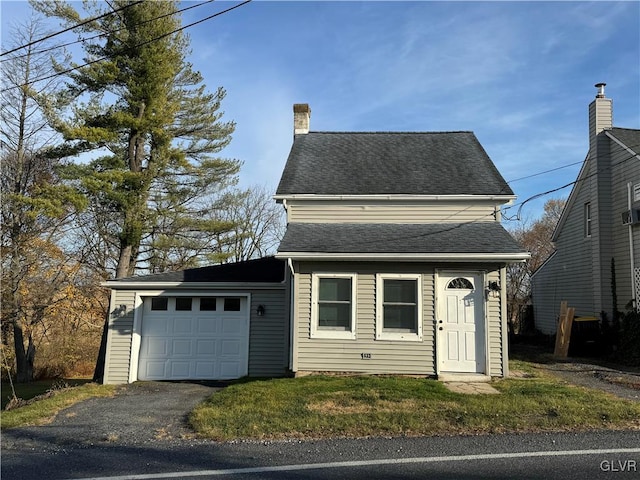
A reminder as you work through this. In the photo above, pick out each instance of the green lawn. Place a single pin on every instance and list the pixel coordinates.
(327, 406)
(56, 396)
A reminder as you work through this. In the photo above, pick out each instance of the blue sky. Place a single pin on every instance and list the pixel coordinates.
(518, 74)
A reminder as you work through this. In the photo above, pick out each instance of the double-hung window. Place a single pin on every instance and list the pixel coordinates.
(398, 307)
(333, 312)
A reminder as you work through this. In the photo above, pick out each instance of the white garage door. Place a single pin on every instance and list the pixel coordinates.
(196, 338)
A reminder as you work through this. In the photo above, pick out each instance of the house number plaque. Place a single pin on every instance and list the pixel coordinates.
(365, 356)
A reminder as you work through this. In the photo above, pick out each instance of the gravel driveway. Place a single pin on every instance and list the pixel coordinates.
(140, 413)
(621, 383)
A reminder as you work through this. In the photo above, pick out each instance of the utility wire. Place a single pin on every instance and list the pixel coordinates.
(47, 37)
(575, 182)
(546, 171)
(64, 72)
(99, 34)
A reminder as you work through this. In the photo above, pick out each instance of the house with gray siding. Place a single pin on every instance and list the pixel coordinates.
(393, 262)
(597, 238)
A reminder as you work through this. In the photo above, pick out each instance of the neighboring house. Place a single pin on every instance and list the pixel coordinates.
(393, 262)
(600, 223)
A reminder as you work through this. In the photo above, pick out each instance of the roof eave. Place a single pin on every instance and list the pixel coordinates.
(409, 257)
(393, 197)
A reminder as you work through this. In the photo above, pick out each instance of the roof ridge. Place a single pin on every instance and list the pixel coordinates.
(389, 131)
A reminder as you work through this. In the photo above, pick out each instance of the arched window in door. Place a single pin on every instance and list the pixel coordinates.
(461, 283)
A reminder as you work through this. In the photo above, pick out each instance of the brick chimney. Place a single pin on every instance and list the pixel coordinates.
(301, 115)
(600, 115)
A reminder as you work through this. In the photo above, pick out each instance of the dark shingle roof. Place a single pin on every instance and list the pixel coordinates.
(429, 163)
(480, 237)
(261, 270)
(630, 137)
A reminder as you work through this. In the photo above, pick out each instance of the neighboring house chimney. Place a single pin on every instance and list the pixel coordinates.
(301, 115)
(600, 115)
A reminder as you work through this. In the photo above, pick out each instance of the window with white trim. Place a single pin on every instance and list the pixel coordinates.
(333, 309)
(399, 307)
(587, 220)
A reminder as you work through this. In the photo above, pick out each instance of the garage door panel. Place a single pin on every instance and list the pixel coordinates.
(207, 325)
(206, 348)
(229, 370)
(179, 369)
(231, 347)
(193, 344)
(182, 326)
(157, 346)
(182, 347)
(159, 326)
(155, 370)
(205, 369)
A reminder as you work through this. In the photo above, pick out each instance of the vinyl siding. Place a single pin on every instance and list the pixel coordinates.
(568, 275)
(389, 212)
(386, 356)
(580, 270)
(119, 337)
(625, 170)
(494, 321)
(268, 335)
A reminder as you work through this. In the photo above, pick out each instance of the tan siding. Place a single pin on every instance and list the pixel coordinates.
(386, 212)
(269, 334)
(494, 325)
(119, 337)
(403, 357)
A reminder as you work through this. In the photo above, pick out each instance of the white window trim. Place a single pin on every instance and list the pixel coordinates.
(336, 334)
(588, 225)
(380, 333)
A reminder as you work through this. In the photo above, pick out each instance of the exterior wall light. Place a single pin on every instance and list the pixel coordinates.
(260, 310)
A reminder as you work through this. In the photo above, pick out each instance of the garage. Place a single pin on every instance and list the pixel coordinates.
(194, 337)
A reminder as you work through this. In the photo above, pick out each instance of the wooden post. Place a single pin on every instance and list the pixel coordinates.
(563, 333)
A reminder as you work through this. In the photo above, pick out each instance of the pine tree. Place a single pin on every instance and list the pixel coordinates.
(149, 124)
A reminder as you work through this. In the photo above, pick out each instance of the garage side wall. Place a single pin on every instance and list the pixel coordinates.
(122, 307)
(268, 334)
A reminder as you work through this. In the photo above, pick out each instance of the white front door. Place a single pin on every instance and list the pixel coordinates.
(460, 322)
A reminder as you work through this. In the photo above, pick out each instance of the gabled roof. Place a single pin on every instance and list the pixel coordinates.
(391, 163)
(445, 241)
(261, 270)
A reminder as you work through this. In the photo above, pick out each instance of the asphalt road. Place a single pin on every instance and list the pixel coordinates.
(563, 456)
(142, 434)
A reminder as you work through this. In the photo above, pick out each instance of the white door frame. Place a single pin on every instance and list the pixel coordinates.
(138, 314)
(439, 337)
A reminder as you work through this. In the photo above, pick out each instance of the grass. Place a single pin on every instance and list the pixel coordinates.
(50, 399)
(27, 391)
(327, 406)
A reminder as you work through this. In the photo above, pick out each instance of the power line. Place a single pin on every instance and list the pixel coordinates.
(546, 171)
(575, 182)
(55, 34)
(64, 72)
(37, 52)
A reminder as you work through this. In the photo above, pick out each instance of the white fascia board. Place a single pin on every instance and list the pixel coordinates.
(396, 197)
(132, 284)
(413, 257)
